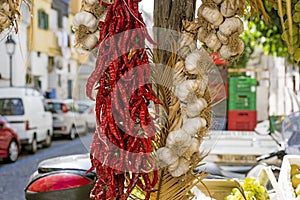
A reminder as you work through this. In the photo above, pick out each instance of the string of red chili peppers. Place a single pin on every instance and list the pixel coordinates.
(124, 145)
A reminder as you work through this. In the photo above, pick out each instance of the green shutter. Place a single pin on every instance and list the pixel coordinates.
(46, 21)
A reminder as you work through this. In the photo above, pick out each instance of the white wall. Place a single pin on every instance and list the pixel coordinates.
(20, 57)
(53, 20)
(39, 65)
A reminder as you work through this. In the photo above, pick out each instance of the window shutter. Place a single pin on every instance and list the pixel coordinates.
(46, 21)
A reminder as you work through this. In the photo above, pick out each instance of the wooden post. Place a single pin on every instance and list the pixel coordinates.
(169, 14)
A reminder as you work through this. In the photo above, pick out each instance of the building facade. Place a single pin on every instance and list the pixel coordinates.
(45, 57)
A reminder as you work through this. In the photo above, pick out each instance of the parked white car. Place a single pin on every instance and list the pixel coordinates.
(24, 109)
(67, 119)
(88, 113)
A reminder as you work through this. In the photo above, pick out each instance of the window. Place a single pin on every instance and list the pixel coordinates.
(43, 18)
(70, 89)
(11, 106)
(59, 80)
(37, 83)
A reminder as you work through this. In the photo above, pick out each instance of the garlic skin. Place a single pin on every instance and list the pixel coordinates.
(227, 8)
(212, 15)
(178, 141)
(195, 108)
(191, 62)
(218, 1)
(193, 148)
(87, 19)
(222, 38)
(212, 42)
(91, 1)
(174, 165)
(182, 168)
(231, 25)
(186, 89)
(226, 52)
(90, 41)
(165, 156)
(202, 34)
(185, 40)
(193, 125)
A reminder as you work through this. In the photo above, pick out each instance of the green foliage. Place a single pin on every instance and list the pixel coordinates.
(259, 34)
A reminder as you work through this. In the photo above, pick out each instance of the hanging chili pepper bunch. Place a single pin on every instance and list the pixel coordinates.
(123, 142)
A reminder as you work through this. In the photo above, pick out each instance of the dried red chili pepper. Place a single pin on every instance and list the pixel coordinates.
(117, 78)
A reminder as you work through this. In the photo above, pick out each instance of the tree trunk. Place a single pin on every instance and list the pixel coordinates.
(169, 14)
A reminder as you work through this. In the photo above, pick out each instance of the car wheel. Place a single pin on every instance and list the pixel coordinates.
(48, 141)
(72, 133)
(13, 151)
(33, 146)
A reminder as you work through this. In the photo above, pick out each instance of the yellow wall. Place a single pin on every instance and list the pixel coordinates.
(75, 6)
(43, 41)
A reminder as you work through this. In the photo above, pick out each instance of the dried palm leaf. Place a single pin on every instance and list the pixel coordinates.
(169, 187)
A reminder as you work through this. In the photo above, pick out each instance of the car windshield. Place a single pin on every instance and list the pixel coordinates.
(54, 107)
(83, 107)
(11, 106)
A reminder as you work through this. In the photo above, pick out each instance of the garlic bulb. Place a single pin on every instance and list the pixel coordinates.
(212, 15)
(90, 41)
(178, 141)
(218, 1)
(174, 165)
(227, 52)
(191, 62)
(195, 108)
(228, 9)
(193, 125)
(182, 168)
(222, 38)
(91, 1)
(185, 40)
(202, 34)
(231, 25)
(87, 19)
(212, 42)
(186, 89)
(165, 156)
(193, 148)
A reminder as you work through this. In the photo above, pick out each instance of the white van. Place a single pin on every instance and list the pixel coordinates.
(25, 111)
(68, 119)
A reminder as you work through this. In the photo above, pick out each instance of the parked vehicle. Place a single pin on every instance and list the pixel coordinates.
(67, 119)
(24, 109)
(87, 108)
(65, 177)
(10, 145)
(62, 178)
